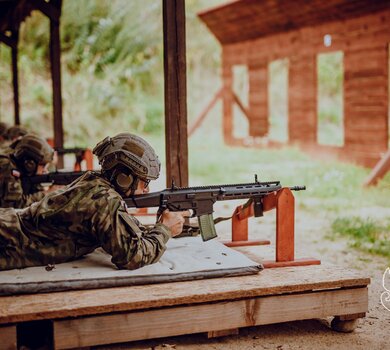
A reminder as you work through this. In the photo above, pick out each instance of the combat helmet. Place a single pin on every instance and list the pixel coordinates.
(3, 128)
(15, 131)
(33, 147)
(129, 151)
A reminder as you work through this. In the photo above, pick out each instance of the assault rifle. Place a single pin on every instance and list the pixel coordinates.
(200, 200)
(55, 178)
(78, 151)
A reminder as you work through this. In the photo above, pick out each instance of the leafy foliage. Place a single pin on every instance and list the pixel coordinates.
(112, 68)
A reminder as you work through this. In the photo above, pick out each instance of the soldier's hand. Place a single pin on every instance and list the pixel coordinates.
(174, 220)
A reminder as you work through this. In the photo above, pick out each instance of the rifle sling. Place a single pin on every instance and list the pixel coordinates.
(220, 219)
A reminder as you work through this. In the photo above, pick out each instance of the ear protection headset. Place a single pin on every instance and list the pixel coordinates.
(124, 181)
(30, 166)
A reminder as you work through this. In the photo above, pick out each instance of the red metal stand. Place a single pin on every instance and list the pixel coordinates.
(87, 156)
(283, 201)
(141, 212)
(240, 229)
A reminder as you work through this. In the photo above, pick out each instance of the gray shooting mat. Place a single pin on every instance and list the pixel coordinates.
(187, 258)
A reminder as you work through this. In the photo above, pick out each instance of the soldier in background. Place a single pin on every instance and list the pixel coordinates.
(90, 213)
(3, 130)
(27, 157)
(12, 134)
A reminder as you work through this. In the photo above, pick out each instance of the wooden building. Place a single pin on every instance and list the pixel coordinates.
(254, 33)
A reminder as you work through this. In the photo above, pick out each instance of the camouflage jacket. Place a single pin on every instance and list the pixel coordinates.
(73, 221)
(11, 190)
(5, 147)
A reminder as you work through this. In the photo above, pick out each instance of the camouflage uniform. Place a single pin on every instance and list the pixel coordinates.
(5, 148)
(73, 221)
(11, 191)
(10, 135)
(3, 134)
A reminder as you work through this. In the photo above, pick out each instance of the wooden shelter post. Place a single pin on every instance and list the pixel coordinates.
(302, 99)
(227, 100)
(175, 91)
(258, 99)
(12, 42)
(15, 76)
(55, 61)
(366, 121)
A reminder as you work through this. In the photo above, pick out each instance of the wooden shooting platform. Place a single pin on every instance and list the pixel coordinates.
(104, 316)
(288, 289)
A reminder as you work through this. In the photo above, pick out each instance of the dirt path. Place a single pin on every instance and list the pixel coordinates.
(373, 332)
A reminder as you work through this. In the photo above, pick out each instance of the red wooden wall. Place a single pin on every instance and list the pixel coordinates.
(364, 41)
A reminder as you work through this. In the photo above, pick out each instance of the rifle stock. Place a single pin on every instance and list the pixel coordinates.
(55, 178)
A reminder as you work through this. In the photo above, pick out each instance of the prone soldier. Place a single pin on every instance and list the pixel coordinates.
(3, 132)
(14, 132)
(90, 213)
(11, 135)
(27, 157)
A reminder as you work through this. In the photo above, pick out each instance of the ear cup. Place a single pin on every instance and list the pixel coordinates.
(30, 166)
(124, 181)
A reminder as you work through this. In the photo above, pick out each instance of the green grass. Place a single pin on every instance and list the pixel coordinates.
(365, 234)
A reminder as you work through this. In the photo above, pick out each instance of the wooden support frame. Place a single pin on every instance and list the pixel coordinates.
(210, 305)
(219, 94)
(7, 40)
(199, 120)
(8, 337)
(211, 318)
(175, 91)
(379, 171)
(284, 203)
(49, 9)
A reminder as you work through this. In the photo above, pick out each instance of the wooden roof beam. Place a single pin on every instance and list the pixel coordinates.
(10, 41)
(47, 8)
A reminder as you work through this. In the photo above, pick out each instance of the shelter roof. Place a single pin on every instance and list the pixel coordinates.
(13, 12)
(242, 20)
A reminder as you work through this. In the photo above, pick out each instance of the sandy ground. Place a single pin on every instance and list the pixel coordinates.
(372, 332)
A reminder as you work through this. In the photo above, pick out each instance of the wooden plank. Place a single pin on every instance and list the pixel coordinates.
(175, 92)
(223, 333)
(241, 106)
(85, 302)
(239, 21)
(173, 321)
(8, 338)
(198, 121)
(379, 171)
(364, 33)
